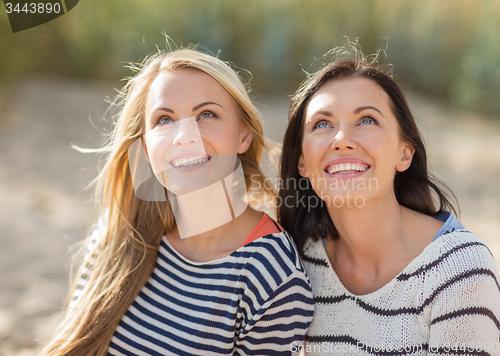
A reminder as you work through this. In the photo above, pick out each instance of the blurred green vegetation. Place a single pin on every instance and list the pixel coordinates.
(448, 49)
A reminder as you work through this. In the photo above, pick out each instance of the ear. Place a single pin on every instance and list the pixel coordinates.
(246, 138)
(145, 149)
(406, 157)
(302, 167)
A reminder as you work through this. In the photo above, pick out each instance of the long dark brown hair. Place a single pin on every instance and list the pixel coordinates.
(413, 187)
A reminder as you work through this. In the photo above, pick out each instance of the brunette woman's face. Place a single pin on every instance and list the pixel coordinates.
(351, 146)
(191, 121)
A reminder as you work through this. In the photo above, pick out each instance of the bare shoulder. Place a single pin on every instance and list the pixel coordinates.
(420, 227)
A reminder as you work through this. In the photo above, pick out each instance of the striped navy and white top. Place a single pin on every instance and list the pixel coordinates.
(256, 301)
(445, 302)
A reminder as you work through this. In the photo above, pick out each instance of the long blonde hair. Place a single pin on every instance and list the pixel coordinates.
(124, 255)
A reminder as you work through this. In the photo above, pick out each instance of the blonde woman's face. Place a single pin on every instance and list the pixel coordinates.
(190, 121)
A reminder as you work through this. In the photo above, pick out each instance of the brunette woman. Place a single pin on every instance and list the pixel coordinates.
(393, 271)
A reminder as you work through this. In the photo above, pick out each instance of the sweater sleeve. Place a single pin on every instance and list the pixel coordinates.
(88, 262)
(464, 314)
(281, 323)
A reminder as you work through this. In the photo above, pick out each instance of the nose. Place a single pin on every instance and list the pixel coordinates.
(343, 141)
(187, 132)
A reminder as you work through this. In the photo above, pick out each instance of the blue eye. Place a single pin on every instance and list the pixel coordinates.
(165, 120)
(206, 114)
(368, 120)
(321, 125)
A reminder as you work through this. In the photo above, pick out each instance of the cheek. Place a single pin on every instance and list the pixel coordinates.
(383, 149)
(157, 150)
(224, 141)
(313, 150)
(385, 162)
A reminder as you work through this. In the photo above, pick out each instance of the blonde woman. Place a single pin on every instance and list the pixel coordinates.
(166, 274)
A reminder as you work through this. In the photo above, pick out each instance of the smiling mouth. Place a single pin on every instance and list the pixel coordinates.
(189, 162)
(347, 168)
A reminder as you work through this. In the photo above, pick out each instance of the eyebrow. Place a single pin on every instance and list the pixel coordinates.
(361, 108)
(196, 107)
(164, 109)
(205, 103)
(324, 113)
(356, 111)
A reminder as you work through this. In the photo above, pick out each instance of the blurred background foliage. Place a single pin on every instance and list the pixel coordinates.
(446, 49)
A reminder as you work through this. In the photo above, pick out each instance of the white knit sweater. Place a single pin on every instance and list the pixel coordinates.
(446, 301)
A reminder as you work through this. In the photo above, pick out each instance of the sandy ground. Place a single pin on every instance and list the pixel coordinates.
(44, 209)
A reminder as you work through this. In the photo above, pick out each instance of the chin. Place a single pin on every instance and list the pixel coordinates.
(343, 199)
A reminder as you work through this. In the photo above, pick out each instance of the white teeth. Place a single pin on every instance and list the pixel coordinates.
(184, 162)
(347, 167)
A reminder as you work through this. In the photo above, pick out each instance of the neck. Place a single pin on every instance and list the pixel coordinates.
(377, 241)
(218, 242)
(211, 222)
(209, 208)
(368, 235)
